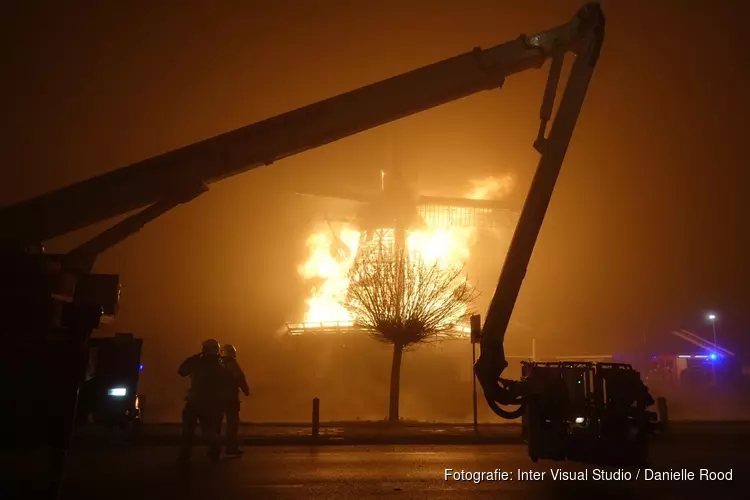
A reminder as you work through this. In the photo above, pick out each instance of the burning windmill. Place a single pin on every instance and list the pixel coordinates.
(436, 228)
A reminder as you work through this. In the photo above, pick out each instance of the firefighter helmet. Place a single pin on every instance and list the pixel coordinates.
(229, 351)
(210, 346)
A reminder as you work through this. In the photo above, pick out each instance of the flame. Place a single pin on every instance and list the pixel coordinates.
(328, 264)
(491, 188)
(329, 260)
(448, 246)
(330, 256)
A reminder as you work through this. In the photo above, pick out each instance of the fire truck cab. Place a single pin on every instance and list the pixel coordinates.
(109, 394)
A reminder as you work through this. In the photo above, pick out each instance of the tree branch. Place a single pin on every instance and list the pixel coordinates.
(401, 299)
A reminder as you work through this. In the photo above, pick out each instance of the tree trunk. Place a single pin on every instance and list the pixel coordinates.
(395, 383)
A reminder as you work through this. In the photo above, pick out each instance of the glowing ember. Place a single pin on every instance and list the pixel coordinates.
(331, 252)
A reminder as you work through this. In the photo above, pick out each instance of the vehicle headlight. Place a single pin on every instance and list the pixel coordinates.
(118, 392)
(580, 420)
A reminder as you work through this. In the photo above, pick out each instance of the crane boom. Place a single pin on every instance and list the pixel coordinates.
(187, 169)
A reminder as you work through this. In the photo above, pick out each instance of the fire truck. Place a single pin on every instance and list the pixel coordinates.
(712, 365)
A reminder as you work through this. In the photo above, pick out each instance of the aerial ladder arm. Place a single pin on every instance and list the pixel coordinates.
(153, 180)
(552, 148)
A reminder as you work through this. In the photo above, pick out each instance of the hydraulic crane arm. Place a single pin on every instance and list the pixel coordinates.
(187, 169)
(492, 362)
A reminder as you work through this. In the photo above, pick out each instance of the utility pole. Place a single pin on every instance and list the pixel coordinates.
(714, 354)
(476, 336)
(645, 349)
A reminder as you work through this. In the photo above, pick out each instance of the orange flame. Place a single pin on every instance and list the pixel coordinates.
(330, 256)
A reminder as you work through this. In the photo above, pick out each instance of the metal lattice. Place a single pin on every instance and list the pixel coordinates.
(444, 215)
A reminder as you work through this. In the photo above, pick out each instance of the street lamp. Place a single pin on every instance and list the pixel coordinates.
(714, 355)
(712, 319)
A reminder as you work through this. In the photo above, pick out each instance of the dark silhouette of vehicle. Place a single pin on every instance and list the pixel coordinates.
(109, 394)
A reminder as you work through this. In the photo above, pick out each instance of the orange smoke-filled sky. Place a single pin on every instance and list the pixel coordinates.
(647, 228)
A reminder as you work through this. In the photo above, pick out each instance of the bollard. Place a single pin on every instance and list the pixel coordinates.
(663, 412)
(316, 417)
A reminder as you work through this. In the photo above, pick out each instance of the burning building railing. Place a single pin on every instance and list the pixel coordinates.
(343, 327)
(312, 327)
(472, 217)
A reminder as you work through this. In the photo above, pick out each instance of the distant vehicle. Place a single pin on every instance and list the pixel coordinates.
(109, 395)
(693, 370)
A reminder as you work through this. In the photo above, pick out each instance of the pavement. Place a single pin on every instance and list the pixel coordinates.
(371, 433)
(385, 472)
(331, 433)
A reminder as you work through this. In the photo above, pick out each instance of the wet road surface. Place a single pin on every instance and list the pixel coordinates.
(371, 472)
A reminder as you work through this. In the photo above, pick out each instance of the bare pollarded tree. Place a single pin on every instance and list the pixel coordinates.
(404, 301)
